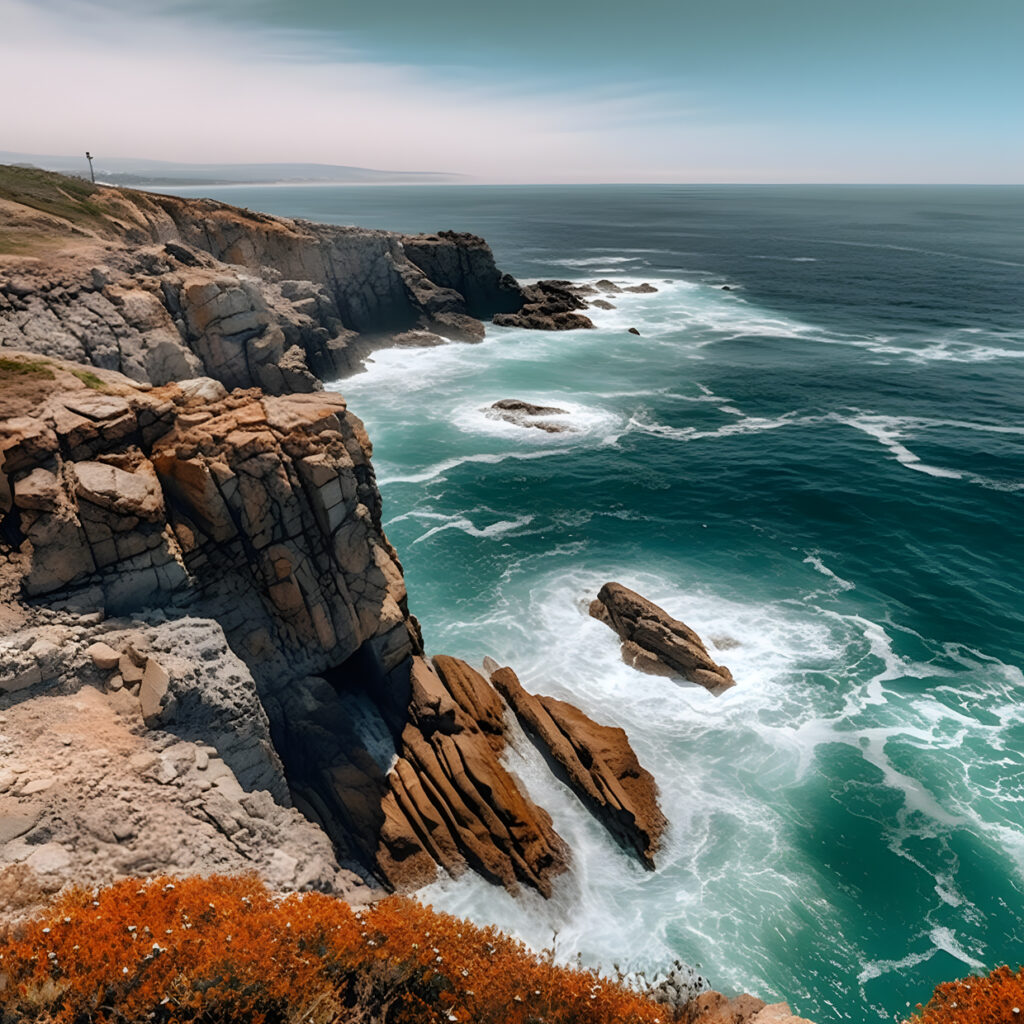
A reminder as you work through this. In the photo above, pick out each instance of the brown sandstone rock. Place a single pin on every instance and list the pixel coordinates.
(450, 796)
(653, 641)
(596, 761)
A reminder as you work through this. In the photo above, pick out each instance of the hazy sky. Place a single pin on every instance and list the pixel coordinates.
(529, 90)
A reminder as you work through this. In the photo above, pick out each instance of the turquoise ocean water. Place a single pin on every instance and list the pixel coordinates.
(822, 471)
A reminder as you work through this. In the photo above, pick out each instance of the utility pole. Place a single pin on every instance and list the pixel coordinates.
(88, 156)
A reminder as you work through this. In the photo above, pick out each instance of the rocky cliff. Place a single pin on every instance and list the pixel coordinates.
(191, 532)
(162, 288)
(207, 656)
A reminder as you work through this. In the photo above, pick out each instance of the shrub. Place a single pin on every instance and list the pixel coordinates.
(227, 950)
(996, 999)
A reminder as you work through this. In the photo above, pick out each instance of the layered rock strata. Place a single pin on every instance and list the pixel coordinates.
(595, 761)
(257, 518)
(653, 641)
(162, 288)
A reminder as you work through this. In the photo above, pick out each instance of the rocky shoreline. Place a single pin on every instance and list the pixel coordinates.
(208, 660)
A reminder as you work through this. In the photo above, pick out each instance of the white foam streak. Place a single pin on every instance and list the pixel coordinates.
(466, 526)
(438, 470)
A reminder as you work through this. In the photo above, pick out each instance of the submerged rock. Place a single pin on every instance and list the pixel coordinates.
(641, 289)
(633, 330)
(653, 641)
(525, 414)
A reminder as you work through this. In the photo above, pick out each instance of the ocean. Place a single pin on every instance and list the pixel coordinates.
(821, 470)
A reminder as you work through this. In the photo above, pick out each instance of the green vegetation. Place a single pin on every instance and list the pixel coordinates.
(90, 380)
(55, 194)
(25, 369)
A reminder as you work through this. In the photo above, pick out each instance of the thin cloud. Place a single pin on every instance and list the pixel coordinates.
(156, 86)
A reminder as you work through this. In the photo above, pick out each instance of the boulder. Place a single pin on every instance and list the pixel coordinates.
(595, 761)
(653, 641)
(525, 414)
(103, 656)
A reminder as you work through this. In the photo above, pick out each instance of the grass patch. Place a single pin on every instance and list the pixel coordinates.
(55, 194)
(90, 380)
(25, 369)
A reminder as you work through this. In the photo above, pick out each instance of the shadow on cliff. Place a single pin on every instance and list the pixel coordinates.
(338, 735)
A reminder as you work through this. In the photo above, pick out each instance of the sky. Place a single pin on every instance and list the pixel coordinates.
(529, 90)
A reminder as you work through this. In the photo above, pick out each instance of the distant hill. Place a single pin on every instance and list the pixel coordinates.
(148, 173)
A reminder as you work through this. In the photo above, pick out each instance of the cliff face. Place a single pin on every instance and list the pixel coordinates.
(162, 289)
(190, 532)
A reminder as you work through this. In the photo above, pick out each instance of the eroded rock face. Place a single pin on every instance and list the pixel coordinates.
(263, 512)
(653, 641)
(596, 761)
(93, 788)
(420, 784)
(194, 287)
(465, 264)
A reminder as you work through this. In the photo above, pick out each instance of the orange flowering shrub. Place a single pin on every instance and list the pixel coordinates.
(225, 950)
(996, 999)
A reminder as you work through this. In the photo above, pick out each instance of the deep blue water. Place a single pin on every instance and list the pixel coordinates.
(822, 471)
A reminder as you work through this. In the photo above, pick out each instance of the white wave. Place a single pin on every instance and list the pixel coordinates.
(943, 940)
(891, 431)
(787, 259)
(466, 525)
(747, 425)
(814, 560)
(580, 422)
(438, 470)
(595, 261)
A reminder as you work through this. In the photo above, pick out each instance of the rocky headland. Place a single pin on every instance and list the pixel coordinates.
(208, 658)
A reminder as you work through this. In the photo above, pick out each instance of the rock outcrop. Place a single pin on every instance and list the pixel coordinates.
(162, 288)
(419, 783)
(596, 761)
(548, 306)
(259, 517)
(149, 753)
(525, 414)
(653, 641)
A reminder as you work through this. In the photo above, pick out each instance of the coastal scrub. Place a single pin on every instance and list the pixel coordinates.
(995, 999)
(227, 949)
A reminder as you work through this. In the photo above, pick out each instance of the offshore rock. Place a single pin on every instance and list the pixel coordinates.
(653, 641)
(548, 306)
(525, 414)
(596, 761)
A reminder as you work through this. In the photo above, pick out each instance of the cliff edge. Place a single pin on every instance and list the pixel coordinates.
(191, 537)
